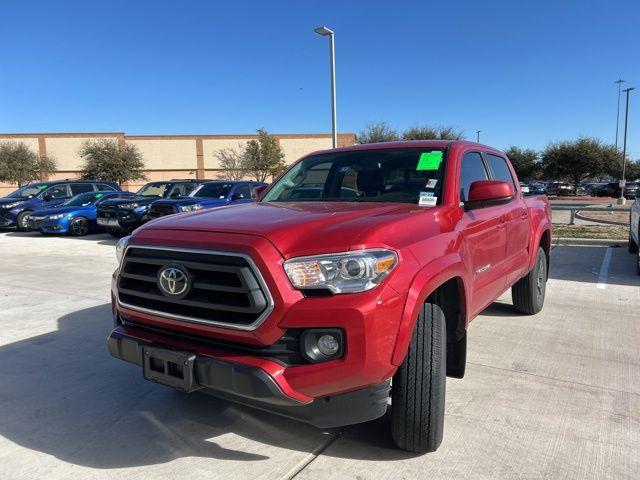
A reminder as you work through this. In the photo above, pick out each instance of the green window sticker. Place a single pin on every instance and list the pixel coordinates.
(429, 160)
(98, 195)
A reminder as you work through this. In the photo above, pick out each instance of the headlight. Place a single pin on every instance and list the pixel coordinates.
(57, 216)
(11, 205)
(347, 272)
(191, 208)
(121, 246)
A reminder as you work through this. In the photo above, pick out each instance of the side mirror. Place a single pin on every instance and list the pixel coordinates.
(485, 193)
(237, 196)
(175, 195)
(47, 197)
(258, 191)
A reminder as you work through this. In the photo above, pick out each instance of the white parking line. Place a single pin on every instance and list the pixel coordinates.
(604, 269)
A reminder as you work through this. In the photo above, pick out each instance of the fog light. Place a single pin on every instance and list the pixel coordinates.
(321, 345)
(328, 345)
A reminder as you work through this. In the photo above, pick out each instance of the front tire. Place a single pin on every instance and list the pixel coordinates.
(528, 293)
(116, 233)
(21, 221)
(79, 227)
(418, 387)
(633, 246)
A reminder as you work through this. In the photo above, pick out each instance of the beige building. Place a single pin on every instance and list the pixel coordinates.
(165, 156)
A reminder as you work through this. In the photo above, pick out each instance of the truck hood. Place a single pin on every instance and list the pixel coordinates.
(139, 200)
(205, 201)
(304, 228)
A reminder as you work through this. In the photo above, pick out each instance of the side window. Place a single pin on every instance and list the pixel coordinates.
(471, 170)
(181, 190)
(58, 191)
(77, 188)
(243, 190)
(500, 169)
(104, 186)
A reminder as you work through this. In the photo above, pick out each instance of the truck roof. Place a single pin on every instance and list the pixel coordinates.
(408, 143)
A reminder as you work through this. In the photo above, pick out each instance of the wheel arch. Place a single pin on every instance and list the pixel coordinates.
(444, 276)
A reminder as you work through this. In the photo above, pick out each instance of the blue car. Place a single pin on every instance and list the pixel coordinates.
(76, 216)
(17, 206)
(217, 193)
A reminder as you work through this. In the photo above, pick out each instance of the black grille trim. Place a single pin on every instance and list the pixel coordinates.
(285, 351)
(227, 287)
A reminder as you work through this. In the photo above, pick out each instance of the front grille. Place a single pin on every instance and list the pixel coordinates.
(226, 288)
(107, 212)
(157, 211)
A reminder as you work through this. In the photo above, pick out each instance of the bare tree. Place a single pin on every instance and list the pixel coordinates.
(428, 132)
(377, 132)
(231, 163)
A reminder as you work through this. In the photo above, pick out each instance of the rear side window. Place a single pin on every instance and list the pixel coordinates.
(500, 169)
(104, 186)
(471, 170)
(77, 188)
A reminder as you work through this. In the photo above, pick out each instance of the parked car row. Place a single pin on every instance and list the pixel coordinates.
(78, 207)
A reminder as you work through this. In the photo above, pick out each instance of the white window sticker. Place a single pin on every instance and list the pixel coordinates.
(432, 182)
(426, 200)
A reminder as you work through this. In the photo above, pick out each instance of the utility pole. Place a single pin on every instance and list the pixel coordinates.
(619, 82)
(622, 200)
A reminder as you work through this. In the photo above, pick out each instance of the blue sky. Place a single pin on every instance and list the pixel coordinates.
(524, 73)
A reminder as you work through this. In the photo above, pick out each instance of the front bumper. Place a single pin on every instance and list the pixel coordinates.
(7, 219)
(125, 220)
(251, 385)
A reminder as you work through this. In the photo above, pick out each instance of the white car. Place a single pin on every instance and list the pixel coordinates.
(634, 230)
(524, 188)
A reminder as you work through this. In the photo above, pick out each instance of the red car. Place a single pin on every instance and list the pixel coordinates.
(323, 307)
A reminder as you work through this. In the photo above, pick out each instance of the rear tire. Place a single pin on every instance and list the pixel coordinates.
(116, 233)
(633, 246)
(528, 293)
(21, 221)
(418, 387)
(79, 227)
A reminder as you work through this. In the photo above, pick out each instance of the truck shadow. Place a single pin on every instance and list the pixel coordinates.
(63, 395)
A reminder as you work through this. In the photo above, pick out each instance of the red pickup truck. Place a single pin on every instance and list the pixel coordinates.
(350, 281)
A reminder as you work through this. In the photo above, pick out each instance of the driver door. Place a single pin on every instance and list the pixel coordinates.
(484, 238)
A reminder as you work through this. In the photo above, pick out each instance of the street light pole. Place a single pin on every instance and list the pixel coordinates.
(327, 32)
(478, 135)
(624, 142)
(619, 82)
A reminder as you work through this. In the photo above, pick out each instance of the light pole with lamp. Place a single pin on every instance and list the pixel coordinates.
(623, 200)
(327, 32)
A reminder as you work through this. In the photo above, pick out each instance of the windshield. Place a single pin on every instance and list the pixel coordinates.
(402, 175)
(158, 189)
(213, 190)
(84, 199)
(28, 191)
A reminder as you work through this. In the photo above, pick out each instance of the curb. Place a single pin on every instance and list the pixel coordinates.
(590, 241)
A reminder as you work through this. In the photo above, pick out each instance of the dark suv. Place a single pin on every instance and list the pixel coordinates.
(122, 216)
(16, 207)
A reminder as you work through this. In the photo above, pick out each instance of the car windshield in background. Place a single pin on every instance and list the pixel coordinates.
(84, 199)
(153, 190)
(403, 175)
(28, 191)
(213, 190)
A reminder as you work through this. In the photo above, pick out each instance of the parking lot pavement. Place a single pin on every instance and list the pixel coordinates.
(556, 395)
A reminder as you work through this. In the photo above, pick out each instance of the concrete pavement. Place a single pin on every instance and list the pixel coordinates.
(556, 395)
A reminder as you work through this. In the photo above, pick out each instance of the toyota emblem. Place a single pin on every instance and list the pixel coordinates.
(173, 281)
